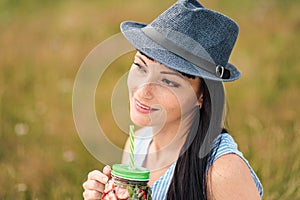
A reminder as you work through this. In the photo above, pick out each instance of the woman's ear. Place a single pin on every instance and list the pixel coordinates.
(200, 100)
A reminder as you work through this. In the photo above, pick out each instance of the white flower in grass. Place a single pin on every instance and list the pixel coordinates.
(22, 187)
(21, 129)
(69, 155)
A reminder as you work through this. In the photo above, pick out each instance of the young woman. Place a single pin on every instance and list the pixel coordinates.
(178, 55)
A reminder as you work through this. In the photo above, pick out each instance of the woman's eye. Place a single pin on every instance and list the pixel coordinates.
(140, 67)
(170, 83)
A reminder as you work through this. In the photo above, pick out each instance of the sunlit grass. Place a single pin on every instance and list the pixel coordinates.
(43, 44)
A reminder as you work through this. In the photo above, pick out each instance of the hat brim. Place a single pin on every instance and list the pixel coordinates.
(133, 33)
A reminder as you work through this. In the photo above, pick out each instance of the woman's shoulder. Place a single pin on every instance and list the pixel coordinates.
(230, 178)
(229, 161)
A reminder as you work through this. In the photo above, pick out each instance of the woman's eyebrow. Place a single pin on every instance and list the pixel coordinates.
(172, 73)
(141, 59)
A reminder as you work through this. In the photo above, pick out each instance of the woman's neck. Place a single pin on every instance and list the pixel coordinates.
(167, 142)
(172, 133)
(168, 137)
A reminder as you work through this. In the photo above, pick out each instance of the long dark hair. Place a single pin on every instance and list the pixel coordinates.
(189, 179)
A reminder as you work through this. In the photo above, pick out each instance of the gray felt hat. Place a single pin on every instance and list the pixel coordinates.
(188, 38)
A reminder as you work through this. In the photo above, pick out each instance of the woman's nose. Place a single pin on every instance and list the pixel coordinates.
(146, 91)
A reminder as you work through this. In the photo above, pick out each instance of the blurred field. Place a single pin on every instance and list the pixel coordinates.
(43, 43)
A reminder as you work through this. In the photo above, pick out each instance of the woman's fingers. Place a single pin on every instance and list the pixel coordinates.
(91, 195)
(98, 176)
(92, 189)
(107, 170)
(95, 184)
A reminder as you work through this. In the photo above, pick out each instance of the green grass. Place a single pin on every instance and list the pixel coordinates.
(43, 44)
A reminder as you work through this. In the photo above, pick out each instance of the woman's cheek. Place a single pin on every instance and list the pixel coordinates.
(131, 84)
(186, 99)
(129, 78)
(134, 80)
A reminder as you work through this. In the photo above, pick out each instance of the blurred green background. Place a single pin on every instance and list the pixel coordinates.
(43, 43)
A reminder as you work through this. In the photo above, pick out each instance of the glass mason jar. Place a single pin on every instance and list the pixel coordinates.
(127, 184)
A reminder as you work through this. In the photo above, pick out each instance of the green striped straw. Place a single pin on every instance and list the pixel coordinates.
(131, 138)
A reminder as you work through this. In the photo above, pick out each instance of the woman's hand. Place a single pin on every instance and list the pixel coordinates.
(94, 186)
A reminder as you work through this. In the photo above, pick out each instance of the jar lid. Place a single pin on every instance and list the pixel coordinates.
(126, 172)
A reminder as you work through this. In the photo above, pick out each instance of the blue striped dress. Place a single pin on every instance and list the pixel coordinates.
(160, 187)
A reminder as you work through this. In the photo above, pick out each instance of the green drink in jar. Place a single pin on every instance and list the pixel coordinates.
(127, 183)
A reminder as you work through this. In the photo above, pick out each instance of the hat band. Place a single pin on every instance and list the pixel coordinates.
(156, 36)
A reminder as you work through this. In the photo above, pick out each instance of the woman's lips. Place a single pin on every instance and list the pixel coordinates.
(143, 108)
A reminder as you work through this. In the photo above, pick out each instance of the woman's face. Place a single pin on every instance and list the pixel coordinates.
(159, 95)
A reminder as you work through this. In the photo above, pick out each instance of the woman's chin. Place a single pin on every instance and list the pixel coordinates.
(149, 119)
(139, 121)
